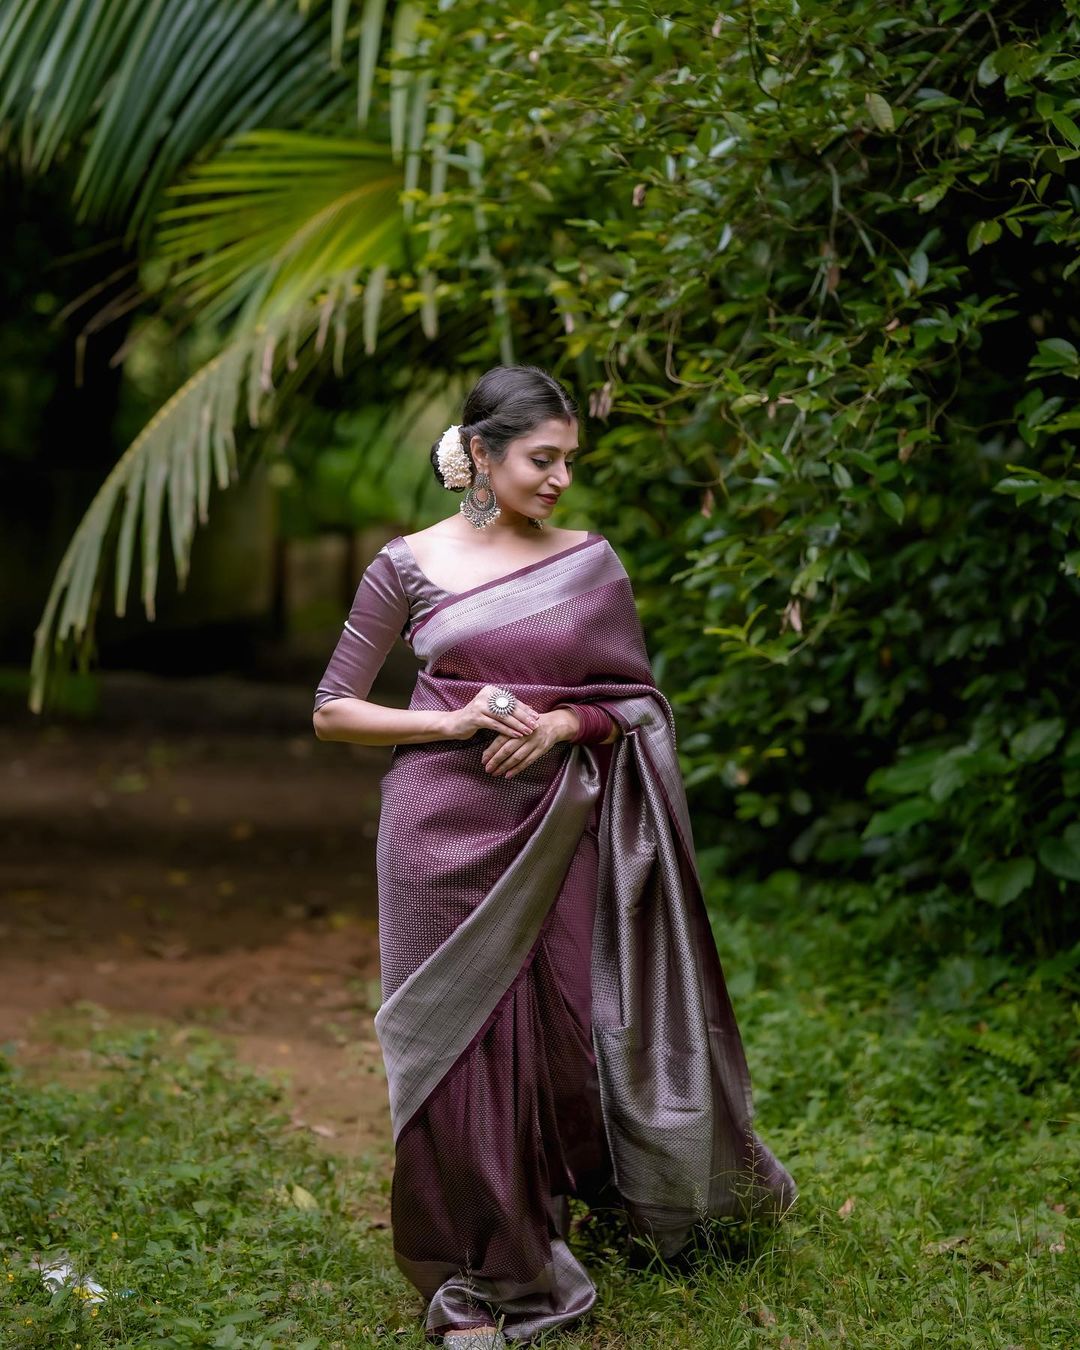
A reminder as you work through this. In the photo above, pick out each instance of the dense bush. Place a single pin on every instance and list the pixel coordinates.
(818, 261)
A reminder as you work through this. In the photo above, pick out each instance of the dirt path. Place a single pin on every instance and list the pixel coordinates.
(224, 880)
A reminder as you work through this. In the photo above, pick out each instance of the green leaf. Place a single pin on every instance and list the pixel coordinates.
(988, 72)
(145, 90)
(929, 199)
(983, 232)
(858, 564)
(1036, 740)
(840, 475)
(1056, 354)
(1059, 347)
(900, 817)
(1060, 857)
(892, 505)
(244, 1315)
(912, 774)
(881, 113)
(182, 451)
(999, 883)
(1067, 127)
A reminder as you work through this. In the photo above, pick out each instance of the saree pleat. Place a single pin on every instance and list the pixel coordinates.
(554, 1021)
(514, 1126)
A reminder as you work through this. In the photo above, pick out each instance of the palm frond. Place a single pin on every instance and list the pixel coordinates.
(371, 30)
(149, 84)
(277, 229)
(279, 215)
(187, 445)
(406, 20)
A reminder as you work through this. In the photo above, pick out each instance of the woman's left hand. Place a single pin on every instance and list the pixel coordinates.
(508, 755)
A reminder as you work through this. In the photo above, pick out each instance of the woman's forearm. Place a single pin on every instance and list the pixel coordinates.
(363, 723)
(360, 722)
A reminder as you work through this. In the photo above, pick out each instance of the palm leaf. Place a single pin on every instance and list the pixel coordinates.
(150, 84)
(371, 29)
(187, 446)
(280, 215)
(191, 443)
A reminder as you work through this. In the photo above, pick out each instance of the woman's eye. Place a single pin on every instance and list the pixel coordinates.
(540, 463)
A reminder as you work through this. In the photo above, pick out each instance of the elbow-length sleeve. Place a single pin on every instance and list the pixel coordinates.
(379, 613)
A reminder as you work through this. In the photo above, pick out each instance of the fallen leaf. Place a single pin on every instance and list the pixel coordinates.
(301, 1198)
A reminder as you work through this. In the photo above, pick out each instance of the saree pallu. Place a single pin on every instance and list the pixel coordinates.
(555, 1020)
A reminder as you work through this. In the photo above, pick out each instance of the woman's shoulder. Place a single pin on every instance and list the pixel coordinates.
(437, 542)
(429, 532)
(440, 531)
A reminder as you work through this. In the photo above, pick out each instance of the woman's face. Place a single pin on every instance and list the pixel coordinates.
(537, 469)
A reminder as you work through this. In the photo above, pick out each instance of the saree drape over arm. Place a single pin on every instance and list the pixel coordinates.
(555, 1020)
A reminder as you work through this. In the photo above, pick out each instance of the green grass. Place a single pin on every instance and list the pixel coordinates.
(927, 1108)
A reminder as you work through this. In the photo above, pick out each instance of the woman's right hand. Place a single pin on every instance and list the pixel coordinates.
(464, 723)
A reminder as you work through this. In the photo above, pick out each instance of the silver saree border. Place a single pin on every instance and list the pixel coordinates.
(431, 1018)
(674, 1083)
(593, 564)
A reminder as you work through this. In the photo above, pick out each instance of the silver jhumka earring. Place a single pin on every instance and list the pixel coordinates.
(479, 505)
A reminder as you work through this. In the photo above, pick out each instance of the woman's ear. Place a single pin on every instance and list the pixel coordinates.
(479, 455)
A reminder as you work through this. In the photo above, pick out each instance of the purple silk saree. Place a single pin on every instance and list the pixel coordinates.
(555, 1020)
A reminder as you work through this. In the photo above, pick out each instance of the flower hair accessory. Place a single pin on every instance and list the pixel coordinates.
(454, 465)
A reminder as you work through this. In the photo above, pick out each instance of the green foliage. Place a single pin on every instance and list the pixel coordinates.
(820, 257)
(174, 1186)
(105, 77)
(813, 266)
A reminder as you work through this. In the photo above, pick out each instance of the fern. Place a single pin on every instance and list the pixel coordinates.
(1001, 1045)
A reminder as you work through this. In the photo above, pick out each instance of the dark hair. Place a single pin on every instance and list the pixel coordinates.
(507, 402)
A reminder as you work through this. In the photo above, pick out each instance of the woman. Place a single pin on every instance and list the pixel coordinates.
(554, 1020)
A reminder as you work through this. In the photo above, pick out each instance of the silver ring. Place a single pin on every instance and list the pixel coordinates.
(502, 702)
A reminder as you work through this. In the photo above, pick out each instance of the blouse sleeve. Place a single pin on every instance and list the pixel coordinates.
(379, 613)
